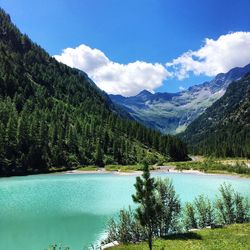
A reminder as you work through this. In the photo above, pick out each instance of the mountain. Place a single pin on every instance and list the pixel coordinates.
(173, 112)
(224, 128)
(54, 117)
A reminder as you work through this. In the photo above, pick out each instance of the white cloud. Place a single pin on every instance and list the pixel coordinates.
(181, 88)
(215, 56)
(112, 77)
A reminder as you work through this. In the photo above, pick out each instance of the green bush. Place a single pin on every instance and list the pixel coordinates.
(231, 206)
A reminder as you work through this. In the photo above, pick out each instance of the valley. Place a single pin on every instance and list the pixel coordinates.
(171, 113)
(82, 166)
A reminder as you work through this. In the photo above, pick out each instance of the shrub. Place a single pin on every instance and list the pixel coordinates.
(189, 217)
(231, 206)
(205, 211)
(169, 207)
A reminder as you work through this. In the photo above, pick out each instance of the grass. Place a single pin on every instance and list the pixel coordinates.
(215, 166)
(115, 167)
(207, 165)
(124, 168)
(120, 168)
(235, 236)
(87, 168)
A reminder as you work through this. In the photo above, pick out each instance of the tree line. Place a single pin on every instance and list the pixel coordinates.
(54, 117)
(160, 212)
(224, 129)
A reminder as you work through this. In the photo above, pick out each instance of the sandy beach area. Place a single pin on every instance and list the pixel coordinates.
(161, 169)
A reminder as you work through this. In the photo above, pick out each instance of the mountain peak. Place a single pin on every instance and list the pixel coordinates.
(172, 112)
(144, 93)
(222, 80)
(234, 73)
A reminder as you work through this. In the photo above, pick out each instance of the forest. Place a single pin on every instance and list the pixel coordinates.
(53, 117)
(224, 129)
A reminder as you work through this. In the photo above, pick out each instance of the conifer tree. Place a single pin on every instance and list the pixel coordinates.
(53, 117)
(145, 197)
(99, 155)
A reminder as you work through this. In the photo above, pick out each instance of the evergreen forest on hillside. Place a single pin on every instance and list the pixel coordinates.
(54, 117)
(224, 129)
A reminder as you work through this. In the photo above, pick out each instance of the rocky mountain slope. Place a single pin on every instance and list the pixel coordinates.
(173, 112)
(224, 128)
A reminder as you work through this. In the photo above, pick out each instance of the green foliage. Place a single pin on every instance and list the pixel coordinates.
(231, 206)
(87, 168)
(146, 198)
(234, 236)
(124, 168)
(223, 130)
(213, 166)
(112, 231)
(99, 156)
(189, 218)
(54, 117)
(205, 212)
(159, 213)
(127, 229)
(241, 208)
(168, 205)
(126, 226)
(57, 247)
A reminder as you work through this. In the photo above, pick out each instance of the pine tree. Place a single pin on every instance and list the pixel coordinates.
(145, 197)
(99, 155)
(52, 116)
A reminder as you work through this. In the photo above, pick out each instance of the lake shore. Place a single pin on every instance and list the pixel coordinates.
(161, 169)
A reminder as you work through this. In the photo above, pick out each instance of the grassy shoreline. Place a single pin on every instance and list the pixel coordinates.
(234, 167)
(239, 167)
(236, 236)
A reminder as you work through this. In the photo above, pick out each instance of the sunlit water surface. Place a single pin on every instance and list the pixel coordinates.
(72, 210)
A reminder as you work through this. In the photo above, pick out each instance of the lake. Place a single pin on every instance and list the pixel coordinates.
(72, 209)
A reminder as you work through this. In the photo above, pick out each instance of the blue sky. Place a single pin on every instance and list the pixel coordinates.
(150, 31)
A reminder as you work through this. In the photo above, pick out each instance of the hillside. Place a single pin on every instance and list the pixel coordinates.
(173, 112)
(54, 117)
(224, 128)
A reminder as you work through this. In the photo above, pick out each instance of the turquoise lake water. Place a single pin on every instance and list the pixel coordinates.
(37, 211)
